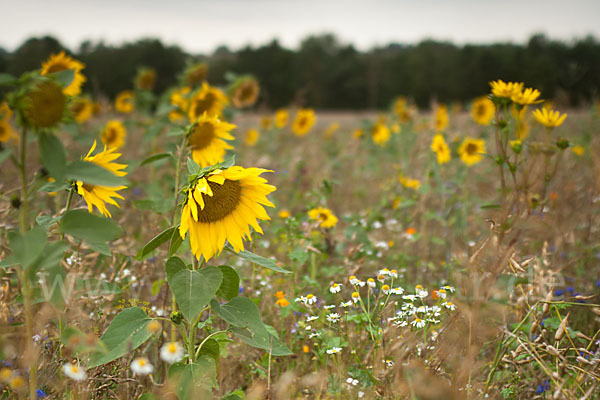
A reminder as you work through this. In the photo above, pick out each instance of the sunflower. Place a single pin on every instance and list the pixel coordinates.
(483, 110)
(98, 195)
(305, 119)
(195, 74)
(145, 78)
(124, 102)
(549, 118)
(505, 90)
(400, 106)
(222, 206)
(5, 111)
(45, 104)
(281, 118)
(252, 136)
(82, 109)
(113, 134)
(409, 183)
(471, 150)
(179, 99)
(380, 134)
(6, 131)
(60, 62)
(441, 118)
(441, 149)
(526, 97)
(207, 140)
(334, 126)
(245, 92)
(357, 133)
(324, 216)
(208, 100)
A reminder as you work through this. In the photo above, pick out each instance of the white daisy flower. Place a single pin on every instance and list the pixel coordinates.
(351, 381)
(74, 372)
(397, 290)
(353, 280)
(314, 334)
(335, 288)
(360, 394)
(333, 317)
(385, 289)
(308, 328)
(355, 297)
(384, 272)
(418, 322)
(311, 299)
(441, 293)
(389, 363)
(394, 274)
(141, 366)
(401, 324)
(449, 288)
(409, 297)
(171, 352)
(312, 318)
(449, 305)
(371, 282)
(334, 350)
(382, 245)
(329, 306)
(361, 283)
(346, 304)
(377, 225)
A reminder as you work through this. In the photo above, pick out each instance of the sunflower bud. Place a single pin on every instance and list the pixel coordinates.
(516, 146)
(176, 317)
(562, 143)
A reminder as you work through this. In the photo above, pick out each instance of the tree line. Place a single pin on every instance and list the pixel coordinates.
(325, 73)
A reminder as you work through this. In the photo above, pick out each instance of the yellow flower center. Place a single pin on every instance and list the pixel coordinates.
(355, 295)
(110, 136)
(224, 200)
(142, 362)
(310, 296)
(172, 348)
(74, 369)
(204, 104)
(472, 149)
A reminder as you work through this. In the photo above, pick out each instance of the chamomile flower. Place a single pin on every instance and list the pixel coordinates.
(418, 323)
(171, 352)
(355, 297)
(329, 306)
(334, 350)
(440, 293)
(351, 381)
(333, 317)
(384, 272)
(449, 288)
(409, 297)
(371, 282)
(394, 274)
(141, 366)
(74, 372)
(449, 305)
(385, 289)
(353, 280)
(335, 288)
(314, 335)
(389, 363)
(397, 290)
(346, 304)
(420, 292)
(311, 299)
(381, 278)
(312, 318)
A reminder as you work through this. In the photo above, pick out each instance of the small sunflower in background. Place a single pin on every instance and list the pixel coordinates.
(441, 118)
(208, 140)
(207, 99)
(244, 92)
(145, 78)
(331, 129)
(6, 131)
(82, 109)
(195, 74)
(99, 195)
(440, 148)
(505, 90)
(549, 118)
(222, 206)
(305, 119)
(471, 150)
(113, 135)
(252, 136)
(324, 216)
(179, 99)
(483, 110)
(124, 102)
(61, 62)
(281, 118)
(380, 134)
(45, 104)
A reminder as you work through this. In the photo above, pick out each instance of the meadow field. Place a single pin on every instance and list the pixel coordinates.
(191, 245)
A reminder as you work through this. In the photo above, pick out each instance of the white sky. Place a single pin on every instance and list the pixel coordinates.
(200, 26)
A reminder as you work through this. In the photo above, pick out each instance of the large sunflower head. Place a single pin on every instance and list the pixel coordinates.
(209, 100)
(471, 150)
(60, 62)
(82, 109)
(208, 140)
(222, 206)
(483, 110)
(145, 78)
(244, 92)
(44, 104)
(98, 195)
(113, 134)
(441, 118)
(124, 102)
(380, 134)
(305, 119)
(195, 74)
(440, 148)
(323, 216)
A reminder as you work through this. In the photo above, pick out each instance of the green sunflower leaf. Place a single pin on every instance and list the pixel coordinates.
(52, 155)
(256, 259)
(193, 290)
(89, 227)
(93, 174)
(194, 381)
(155, 242)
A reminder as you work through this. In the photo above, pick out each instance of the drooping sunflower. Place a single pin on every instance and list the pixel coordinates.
(222, 206)
(244, 92)
(441, 118)
(44, 104)
(113, 135)
(145, 78)
(441, 149)
(252, 136)
(98, 195)
(207, 99)
(195, 74)
(124, 102)
(471, 150)
(549, 118)
(483, 110)
(60, 62)
(324, 216)
(305, 119)
(380, 134)
(82, 109)
(505, 90)
(207, 140)
(281, 118)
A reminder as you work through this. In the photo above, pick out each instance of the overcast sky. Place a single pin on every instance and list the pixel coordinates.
(200, 26)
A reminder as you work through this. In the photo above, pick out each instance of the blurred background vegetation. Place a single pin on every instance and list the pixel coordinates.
(326, 74)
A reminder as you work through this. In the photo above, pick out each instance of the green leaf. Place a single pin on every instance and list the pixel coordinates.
(50, 257)
(193, 168)
(155, 242)
(147, 396)
(155, 157)
(46, 221)
(488, 206)
(101, 248)
(176, 242)
(211, 348)
(52, 155)
(230, 287)
(125, 333)
(7, 79)
(235, 395)
(4, 154)
(194, 289)
(89, 227)
(93, 174)
(194, 381)
(173, 266)
(64, 77)
(27, 247)
(256, 259)
(243, 314)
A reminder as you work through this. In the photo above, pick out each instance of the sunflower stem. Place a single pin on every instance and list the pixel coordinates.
(67, 207)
